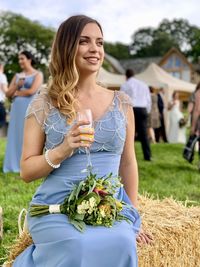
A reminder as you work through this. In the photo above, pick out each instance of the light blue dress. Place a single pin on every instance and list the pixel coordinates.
(16, 127)
(56, 242)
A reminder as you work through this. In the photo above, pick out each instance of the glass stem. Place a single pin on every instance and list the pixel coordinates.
(89, 162)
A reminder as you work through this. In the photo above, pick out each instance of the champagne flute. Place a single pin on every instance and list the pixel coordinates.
(22, 77)
(86, 114)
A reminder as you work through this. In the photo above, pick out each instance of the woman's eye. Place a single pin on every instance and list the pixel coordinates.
(83, 42)
(100, 43)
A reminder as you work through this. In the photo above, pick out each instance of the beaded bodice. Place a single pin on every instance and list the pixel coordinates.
(110, 129)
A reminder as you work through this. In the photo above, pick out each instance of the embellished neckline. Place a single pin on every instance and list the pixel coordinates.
(108, 109)
(100, 118)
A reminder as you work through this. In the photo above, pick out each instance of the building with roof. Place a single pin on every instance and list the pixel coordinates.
(173, 62)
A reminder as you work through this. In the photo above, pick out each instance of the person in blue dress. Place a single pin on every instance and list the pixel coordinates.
(51, 127)
(21, 90)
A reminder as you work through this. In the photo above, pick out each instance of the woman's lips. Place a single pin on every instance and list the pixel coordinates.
(92, 60)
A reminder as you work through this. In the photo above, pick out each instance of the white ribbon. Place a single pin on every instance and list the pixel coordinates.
(23, 228)
(54, 208)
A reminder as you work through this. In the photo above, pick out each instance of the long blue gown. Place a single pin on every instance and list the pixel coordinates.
(56, 242)
(16, 128)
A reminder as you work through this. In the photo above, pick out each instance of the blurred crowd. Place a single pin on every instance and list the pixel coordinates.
(158, 118)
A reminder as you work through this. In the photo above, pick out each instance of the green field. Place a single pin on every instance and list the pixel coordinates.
(168, 175)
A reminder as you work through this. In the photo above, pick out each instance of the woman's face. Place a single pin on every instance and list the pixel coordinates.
(176, 96)
(90, 52)
(24, 62)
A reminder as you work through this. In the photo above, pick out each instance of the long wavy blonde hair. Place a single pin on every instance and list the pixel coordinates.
(62, 87)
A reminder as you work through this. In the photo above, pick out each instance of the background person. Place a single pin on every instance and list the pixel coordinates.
(22, 88)
(154, 116)
(161, 131)
(176, 134)
(3, 90)
(51, 126)
(141, 98)
(195, 118)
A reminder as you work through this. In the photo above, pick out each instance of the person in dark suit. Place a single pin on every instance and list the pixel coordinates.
(161, 132)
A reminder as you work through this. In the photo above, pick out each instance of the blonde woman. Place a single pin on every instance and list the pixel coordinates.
(77, 55)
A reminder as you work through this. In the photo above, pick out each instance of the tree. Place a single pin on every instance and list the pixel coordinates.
(194, 53)
(19, 33)
(150, 43)
(155, 42)
(117, 50)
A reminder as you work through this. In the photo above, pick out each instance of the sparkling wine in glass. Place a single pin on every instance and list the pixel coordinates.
(22, 77)
(86, 114)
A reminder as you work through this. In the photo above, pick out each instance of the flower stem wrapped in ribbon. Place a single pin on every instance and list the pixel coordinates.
(91, 202)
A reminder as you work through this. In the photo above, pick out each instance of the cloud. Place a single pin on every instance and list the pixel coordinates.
(119, 18)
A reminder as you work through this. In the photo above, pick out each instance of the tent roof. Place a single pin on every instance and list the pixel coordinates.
(156, 77)
(110, 79)
(153, 76)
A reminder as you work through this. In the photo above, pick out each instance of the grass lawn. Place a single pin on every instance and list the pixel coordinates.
(168, 175)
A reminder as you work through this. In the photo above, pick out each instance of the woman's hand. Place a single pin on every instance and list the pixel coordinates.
(20, 83)
(144, 238)
(78, 137)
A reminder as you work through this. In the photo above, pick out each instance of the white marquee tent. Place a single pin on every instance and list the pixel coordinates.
(155, 76)
(110, 79)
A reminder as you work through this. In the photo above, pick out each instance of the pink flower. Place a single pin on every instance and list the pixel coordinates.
(100, 192)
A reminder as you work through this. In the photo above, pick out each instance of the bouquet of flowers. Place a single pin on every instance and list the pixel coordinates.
(182, 122)
(91, 202)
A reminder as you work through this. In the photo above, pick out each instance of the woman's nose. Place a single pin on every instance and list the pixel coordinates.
(93, 47)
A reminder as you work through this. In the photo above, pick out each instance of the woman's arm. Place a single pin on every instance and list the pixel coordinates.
(36, 84)
(128, 169)
(190, 107)
(4, 88)
(33, 163)
(12, 88)
(129, 172)
(170, 105)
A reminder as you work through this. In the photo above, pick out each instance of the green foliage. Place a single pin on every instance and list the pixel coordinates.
(19, 33)
(168, 175)
(195, 44)
(117, 50)
(148, 42)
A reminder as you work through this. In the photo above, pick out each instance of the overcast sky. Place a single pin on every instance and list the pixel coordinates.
(119, 18)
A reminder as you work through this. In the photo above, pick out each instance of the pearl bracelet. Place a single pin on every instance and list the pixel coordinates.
(55, 166)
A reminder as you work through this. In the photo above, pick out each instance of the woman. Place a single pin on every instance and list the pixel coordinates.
(22, 88)
(176, 133)
(154, 116)
(77, 55)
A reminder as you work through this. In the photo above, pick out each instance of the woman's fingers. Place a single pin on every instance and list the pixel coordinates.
(78, 131)
(82, 139)
(141, 239)
(79, 124)
(144, 238)
(80, 136)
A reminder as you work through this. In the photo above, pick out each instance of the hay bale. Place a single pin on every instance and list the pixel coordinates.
(175, 228)
(20, 245)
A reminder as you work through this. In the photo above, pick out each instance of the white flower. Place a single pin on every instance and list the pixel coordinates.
(87, 206)
(83, 207)
(102, 212)
(92, 205)
(92, 202)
